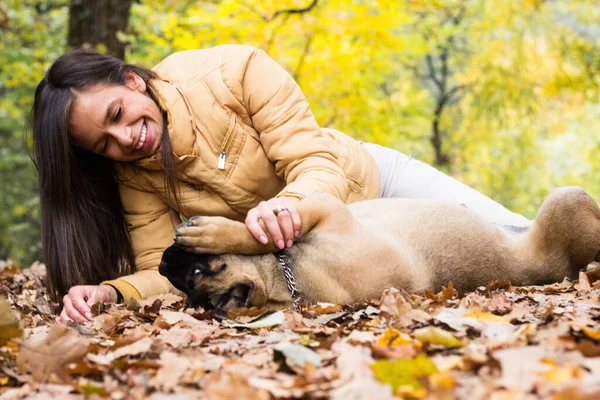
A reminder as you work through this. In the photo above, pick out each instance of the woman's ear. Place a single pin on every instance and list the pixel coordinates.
(135, 82)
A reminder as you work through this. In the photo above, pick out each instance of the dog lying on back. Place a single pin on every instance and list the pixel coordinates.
(351, 253)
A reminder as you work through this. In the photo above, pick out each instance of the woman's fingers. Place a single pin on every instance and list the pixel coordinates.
(63, 317)
(267, 215)
(276, 218)
(296, 221)
(286, 225)
(77, 304)
(254, 226)
(79, 296)
(71, 311)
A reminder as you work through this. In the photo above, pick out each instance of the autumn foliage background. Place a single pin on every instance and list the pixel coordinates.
(503, 95)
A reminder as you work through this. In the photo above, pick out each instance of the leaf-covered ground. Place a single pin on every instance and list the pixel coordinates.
(499, 342)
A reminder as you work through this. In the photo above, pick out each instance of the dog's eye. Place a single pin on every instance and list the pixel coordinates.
(197, 271)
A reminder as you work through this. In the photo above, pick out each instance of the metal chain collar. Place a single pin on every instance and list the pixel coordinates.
(284, 262)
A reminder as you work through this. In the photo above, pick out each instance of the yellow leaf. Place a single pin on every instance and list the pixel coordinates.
(404, 375)
(10, 326)
(483, 316)
(89, 389)
(437, 336)
(591, 333)
(560, 375)
(393, 337)
(442, 381)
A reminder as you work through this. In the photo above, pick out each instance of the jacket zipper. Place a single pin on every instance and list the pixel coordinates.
(225, 149)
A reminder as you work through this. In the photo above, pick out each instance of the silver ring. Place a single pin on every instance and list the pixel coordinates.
(277, 210)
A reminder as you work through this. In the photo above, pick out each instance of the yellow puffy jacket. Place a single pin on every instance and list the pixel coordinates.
(242, 132)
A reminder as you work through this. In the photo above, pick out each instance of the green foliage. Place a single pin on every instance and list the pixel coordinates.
(519, 82)
(33, 33)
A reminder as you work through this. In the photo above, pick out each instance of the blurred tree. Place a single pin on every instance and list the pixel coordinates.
(98, 24)
(505, 96)
(32, 34)
(443, 29)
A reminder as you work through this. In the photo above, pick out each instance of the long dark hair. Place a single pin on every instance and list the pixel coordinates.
(84, 237)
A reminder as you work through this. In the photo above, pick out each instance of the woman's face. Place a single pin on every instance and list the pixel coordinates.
(120, 122)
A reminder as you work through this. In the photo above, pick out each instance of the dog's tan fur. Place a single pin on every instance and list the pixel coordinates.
(348, 254)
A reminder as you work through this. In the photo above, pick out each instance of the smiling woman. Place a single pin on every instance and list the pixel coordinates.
(89, 111)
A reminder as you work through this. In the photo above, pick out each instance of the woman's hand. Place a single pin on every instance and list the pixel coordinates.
(78, 302)
(279, 218)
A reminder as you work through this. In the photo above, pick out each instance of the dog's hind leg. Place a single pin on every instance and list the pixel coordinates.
(565, 236)
(218, 235)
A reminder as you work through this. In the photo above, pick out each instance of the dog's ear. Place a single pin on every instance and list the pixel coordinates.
(180, 266)
(175, 259)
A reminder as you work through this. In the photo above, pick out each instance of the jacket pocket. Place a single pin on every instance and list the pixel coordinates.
(226, 147)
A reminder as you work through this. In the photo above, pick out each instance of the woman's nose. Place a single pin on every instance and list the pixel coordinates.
(123, 135)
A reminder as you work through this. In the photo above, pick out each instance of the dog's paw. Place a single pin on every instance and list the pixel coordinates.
(204, 235)
(197, 235)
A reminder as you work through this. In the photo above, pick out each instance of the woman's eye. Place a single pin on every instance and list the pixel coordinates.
(104, 145)
(118, 114)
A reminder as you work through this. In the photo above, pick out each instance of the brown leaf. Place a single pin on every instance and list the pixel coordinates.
(445, 294)
(588, 348)
(448, 293)
(499, 304)
(583, 284)
(141, 346)
(322, 308)
(177, 317)
(176, 337)
(172, 369)
(50, 353)
(154, 308)
(245, 315)
(498, 284)
(396, 307)
(593, 275)
(106, 322)
(224, 386)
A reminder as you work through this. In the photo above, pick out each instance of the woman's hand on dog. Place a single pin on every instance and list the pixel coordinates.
(277, 218)
(77, 304)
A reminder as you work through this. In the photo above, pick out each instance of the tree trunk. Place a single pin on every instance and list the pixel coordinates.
(93, 22)
(441, 158)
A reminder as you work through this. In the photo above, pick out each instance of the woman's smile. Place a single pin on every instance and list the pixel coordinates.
(142, 136)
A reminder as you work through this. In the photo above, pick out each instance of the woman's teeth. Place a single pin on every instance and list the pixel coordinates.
(143, 138)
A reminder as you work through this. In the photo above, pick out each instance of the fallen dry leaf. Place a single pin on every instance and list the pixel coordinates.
(50, 353)
(438, 337)
(10, 326)
(404, 376)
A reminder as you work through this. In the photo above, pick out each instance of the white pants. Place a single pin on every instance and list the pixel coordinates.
(404, 176)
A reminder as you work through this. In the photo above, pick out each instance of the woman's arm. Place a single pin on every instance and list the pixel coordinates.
(302, 155)
(151, 224)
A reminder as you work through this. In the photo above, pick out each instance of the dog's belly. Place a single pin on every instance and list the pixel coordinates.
(445, 241)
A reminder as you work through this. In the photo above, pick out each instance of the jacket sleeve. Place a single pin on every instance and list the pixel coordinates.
(292, 139)
(151, 224)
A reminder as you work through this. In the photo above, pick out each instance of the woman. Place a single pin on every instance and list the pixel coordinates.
(123, 152)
